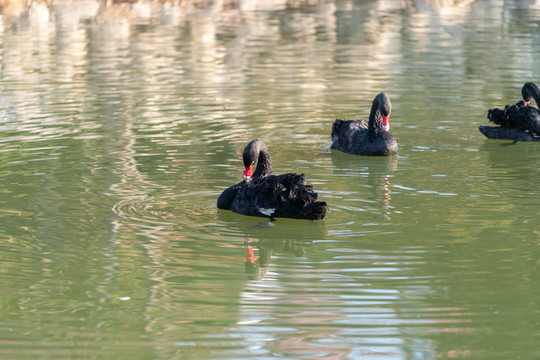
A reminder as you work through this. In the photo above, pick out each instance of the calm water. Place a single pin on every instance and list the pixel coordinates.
(120, 126)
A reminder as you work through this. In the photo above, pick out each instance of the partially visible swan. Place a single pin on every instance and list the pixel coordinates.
(518, 122)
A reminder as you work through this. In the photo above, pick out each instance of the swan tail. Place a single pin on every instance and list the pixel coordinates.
(498, 116)
(227, 196)
(341, 127)
(337, 130)
(316, 210)
(337, 125)
(343, 132)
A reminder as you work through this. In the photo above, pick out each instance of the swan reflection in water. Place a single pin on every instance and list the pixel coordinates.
(259, 253)
(283, 236)
(374, 180)
(263, 239)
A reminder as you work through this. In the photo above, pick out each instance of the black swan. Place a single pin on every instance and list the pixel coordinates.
(357, 137)
(266, 195)
(518, 122)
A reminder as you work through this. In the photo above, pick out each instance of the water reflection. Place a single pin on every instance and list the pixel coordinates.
(356, 301)
(259, 253)
(219, 52)
(264, 239)
(513, 167)
(367, 174)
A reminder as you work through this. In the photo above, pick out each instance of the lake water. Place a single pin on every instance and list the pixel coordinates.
(120, 125)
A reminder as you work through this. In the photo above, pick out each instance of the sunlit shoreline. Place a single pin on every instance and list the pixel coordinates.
(149, 9)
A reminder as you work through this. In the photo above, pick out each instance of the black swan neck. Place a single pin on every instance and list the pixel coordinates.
(375, 119)
(264, 163)
(380, 104)
(258, 151)
(531, 89)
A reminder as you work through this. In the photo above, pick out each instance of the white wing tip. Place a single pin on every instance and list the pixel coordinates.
(266, 211)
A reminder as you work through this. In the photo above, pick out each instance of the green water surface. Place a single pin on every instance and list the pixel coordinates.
(121, 125)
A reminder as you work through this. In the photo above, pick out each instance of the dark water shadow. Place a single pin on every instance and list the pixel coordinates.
(511, 155)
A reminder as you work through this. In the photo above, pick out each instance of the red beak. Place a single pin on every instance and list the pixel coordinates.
(386, 122)
(248, 172)
(250, 254)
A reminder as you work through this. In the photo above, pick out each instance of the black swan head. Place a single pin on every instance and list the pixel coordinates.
(530, 90)
(379, 118)
(256, 151)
